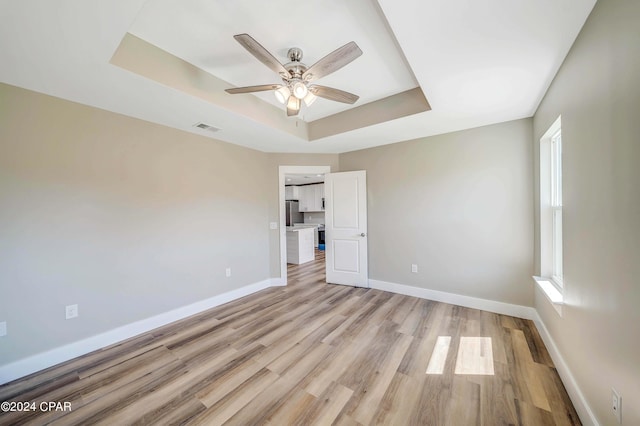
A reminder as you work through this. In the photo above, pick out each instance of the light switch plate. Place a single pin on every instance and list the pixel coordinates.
(273, 225)
(3, 328)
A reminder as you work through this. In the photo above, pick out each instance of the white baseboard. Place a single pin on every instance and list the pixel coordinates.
(278, 282)
(519, 311)
(577, 398)
(23, 367)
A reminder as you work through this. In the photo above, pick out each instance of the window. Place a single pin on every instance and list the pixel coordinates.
(556, 208)
(551, 205)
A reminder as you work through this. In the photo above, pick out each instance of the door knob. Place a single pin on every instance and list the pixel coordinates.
(363, 235)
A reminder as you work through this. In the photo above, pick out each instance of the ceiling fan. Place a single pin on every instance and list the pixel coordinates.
(297, 77)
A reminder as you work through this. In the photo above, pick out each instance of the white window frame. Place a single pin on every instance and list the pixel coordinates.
(556, 209)
(551, 263)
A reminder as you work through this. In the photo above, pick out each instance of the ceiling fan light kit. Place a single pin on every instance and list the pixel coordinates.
(297, 77)
(282, 94)
(309, 99)
(300, 89)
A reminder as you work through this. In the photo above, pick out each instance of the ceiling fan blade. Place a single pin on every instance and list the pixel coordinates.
(262, 54)
(293, 106)
(333, 61)
(334, 94)
(251, 89)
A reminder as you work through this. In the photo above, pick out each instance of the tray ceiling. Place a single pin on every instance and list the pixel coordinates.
(476, 63)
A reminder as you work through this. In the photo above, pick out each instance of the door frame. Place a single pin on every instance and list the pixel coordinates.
(282, 171)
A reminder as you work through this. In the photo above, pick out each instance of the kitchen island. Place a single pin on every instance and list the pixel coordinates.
(310, 225)
(300, 247)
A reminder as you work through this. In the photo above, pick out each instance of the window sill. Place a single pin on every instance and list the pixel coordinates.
(553, 295)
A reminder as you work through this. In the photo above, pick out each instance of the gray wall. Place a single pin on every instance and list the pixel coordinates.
(459, 205)
(597, 92)
(126, 218)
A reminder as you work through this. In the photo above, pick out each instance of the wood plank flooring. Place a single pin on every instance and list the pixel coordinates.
(309, 353)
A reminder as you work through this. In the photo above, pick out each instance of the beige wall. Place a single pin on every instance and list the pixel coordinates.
(597, 92)
(126, 218)
(459, 205)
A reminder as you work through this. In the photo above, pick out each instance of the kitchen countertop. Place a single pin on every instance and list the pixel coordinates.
(297, 228)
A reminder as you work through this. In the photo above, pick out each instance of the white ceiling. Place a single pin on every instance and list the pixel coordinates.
(478, 63)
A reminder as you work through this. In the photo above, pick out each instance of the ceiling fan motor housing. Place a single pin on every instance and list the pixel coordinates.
(295, 67)
(294, 54)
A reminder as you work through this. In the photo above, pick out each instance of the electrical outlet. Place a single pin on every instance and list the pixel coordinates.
(71, 311)
(414, 268)
(616, 405)
(3, 328)
(228, 272)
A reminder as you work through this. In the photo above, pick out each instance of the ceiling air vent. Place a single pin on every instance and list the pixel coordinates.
(206, 127)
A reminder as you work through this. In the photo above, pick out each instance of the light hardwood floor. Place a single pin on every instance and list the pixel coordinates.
(310, 353)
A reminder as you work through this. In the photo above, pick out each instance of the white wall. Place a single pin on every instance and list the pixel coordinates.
(126, 218)
(597, 92)
(458, 205)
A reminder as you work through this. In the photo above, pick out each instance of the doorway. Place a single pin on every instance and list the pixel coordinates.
(297, 171)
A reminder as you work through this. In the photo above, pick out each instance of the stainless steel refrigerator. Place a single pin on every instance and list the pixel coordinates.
(293, 215)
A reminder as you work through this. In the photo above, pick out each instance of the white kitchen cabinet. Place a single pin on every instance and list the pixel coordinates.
(291, 193)
(320, 197)
(303, 199)
(307, 195)
(311, 198)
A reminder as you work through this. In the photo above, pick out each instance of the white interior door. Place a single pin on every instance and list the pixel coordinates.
(346, 228)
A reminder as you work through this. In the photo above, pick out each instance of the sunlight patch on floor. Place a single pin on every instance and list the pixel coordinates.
(439, 355)
(475, 356)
